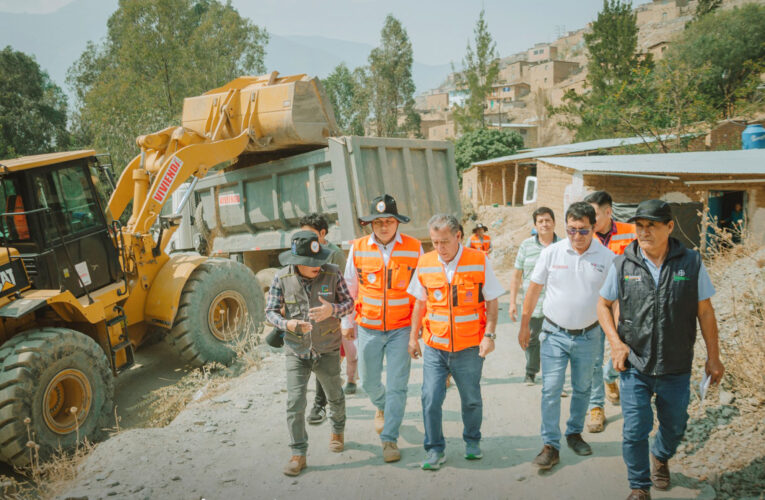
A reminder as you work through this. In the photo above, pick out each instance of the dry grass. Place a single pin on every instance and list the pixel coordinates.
(162, 405)
(738, 273)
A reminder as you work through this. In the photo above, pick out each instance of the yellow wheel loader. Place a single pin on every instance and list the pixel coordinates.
(80, 292)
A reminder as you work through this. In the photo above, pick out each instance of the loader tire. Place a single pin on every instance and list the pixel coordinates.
(43, 374)
(221, 301)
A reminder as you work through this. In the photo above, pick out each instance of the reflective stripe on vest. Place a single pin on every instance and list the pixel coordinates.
(455, 316)
(625, 234)
(383, 303)
(477, 244)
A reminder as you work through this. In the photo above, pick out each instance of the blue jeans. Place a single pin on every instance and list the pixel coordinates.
(558, 348)
(672, 396)
(600, 375)
(465, 366)
(391, 397)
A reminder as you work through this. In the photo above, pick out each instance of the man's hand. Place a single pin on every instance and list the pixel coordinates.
(414, 349)
(300, 327)
(715, 369)
(485, 347)
(348, 333)
(619, 353)
(319, 314)
(524, 336)
(513, 311)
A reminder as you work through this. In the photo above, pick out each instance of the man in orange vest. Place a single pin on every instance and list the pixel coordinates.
(456, 292)
(616, 236)
(480, 240)
(378, 272)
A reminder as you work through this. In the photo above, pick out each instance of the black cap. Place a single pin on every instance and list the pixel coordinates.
(306, 251)
(657, 210)
(480, 226)
(382, 207)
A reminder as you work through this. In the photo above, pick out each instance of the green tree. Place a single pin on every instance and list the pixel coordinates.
(32, 108)
(705, 7)
(482, 144)
(347, 92)
(612, 46)
(480, 72)
(156, 53)
(731, 43)
(390, 84)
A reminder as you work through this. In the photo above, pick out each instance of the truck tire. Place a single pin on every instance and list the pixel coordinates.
(43, 374)
(219, 301)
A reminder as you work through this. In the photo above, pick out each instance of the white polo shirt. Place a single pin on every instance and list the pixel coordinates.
(572, 282)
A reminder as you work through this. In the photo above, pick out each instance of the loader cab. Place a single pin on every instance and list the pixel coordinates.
(55, 216)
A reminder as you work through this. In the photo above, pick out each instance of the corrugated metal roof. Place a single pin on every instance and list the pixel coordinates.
(563, 149)
(750, 161)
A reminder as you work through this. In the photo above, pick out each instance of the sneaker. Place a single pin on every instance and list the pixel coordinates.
(529, 379)
(659, 473)
(317, 415)
(612, 392)
(639, 495)
(576, 443)
(391, 452)
(350, 388)
(433, 460)
(563, 393)
(295, 465)
(548, 457)
(597, 420)
(379, 421)
(473, 451)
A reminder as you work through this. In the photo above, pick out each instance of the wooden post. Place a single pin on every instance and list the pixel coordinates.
(515, 182)
(504, 189)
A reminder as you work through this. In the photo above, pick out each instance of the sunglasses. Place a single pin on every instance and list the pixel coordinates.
(583, 232)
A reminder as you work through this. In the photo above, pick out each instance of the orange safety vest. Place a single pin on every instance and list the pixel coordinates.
(19, 221)
(455, 313)
(383, 303)
(478, 244)
(624, 235)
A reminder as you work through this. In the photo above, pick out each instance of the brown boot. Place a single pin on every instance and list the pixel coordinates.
(639, 495)
(548, 457)
(597, 420)
(391, 452)
(336, 443)
(659, 473)
(379, 421)
(612, 392)
(295, 465)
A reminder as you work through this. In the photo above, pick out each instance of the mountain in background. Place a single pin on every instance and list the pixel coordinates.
(58, 39)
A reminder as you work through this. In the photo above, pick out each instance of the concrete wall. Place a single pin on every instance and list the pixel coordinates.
(546, 75)
(542, 52)
(515, 72)
(442, 132)
(437, 102)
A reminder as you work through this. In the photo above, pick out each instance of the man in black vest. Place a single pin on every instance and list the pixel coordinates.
(306, 300)
(663, 289)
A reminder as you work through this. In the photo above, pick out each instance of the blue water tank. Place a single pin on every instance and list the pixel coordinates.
(753, 137)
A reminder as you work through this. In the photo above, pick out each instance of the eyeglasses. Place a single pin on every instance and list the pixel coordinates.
(584, 232)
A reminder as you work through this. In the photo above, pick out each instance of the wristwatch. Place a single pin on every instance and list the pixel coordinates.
(492, 336)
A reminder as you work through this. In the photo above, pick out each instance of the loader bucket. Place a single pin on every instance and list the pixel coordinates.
(280, 112)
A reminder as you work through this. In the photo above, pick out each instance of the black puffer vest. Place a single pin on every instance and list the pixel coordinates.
(659, 323)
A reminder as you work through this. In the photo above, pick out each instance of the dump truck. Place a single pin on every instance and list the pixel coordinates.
(81, 290)
(250, 213)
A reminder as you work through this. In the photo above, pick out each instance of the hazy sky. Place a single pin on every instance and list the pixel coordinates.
(439, 29)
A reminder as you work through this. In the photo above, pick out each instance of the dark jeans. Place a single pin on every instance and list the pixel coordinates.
(532, 351)
(465, 367)
(672, 396)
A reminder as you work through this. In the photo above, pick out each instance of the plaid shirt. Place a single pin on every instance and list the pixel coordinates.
(275, 302)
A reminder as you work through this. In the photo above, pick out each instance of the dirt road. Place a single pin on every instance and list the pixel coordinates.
(234, 446)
